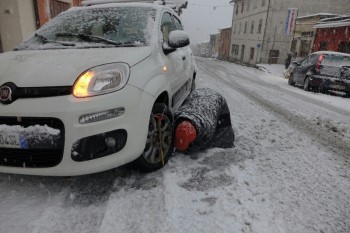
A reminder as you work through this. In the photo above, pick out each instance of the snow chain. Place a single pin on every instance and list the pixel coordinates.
(159, 120)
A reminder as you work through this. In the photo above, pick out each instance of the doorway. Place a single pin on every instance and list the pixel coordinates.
(242, 53)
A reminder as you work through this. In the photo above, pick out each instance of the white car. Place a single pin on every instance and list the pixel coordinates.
(94, 89)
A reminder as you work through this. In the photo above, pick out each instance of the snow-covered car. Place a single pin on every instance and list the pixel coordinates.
(94, 89)
(322, 71)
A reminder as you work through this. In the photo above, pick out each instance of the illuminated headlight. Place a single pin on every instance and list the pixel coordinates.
(100, 116)
(101, 80)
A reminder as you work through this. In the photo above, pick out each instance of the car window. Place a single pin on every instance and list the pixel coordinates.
(306, 61)
(167, 26)
(178, 24)
(335, 60)
(125, 25)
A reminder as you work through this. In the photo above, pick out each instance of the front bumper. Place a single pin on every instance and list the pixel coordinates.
(68, 109)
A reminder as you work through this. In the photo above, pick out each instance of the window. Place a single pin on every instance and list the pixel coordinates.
(242, 7)
(237, 9)
(234, 49)
(260, 26)
(167, 26)
(255, 4)
(240, 27)
(245, 27)
(344, 47)
(323, 45)
(248, 5)
(178, 24)
(252, 27)
(263, 2)
(251, 53)
(234, 29)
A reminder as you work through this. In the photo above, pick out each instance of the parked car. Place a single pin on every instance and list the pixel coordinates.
(94, 89)
(322, 71)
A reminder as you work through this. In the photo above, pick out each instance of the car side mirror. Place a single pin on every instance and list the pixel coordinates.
(177, 39)
(296, 63)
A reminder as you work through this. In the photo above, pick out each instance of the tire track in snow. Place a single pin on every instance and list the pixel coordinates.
(329, 140)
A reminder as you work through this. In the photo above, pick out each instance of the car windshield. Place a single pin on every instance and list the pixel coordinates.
(96, 27)
(336, 60)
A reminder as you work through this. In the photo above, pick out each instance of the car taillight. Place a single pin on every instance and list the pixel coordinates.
(318, 64)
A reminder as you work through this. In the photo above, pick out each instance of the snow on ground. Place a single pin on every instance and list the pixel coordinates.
(289, 172)
(274, 69)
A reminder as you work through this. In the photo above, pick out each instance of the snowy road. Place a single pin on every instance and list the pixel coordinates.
(289, 172)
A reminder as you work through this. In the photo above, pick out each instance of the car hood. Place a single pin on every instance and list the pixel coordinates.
(35, 68)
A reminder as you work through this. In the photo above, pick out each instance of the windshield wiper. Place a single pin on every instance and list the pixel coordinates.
(89, 38)
(45, 40)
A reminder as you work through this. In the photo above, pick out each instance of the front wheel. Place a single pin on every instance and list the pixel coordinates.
(160, 140)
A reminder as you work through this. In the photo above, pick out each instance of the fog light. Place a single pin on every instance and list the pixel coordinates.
(100, 116)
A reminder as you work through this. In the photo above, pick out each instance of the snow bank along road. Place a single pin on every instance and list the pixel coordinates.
(289, 172)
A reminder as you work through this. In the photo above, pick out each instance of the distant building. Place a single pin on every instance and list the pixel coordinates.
(20, 18)
(304, 33)
(333, 34)
(224, 45)
(260, 33)
(214, 44)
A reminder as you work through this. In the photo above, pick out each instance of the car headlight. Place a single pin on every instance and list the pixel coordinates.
(102, 79)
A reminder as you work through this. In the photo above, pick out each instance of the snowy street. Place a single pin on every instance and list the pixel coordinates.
(288, 173)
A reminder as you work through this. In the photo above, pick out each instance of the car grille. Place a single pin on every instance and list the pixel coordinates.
(33, 157)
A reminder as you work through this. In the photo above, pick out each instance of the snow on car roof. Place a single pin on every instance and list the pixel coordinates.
(331, 52)
(174, 4)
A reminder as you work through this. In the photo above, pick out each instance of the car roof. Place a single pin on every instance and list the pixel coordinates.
(331, 52)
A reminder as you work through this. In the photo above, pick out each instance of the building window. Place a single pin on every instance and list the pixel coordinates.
(260, 26)
(323, 45)
(248, 5)
(344, 47)
(234, 29)
(263, 2)
(255, 4)
(234, 49)
(242, 7)
(252, 27)
(245, 27)
(252, 53)
(237, 9)
(240, 27)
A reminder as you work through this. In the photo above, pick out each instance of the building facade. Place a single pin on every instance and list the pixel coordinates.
(333, 34)
(20, 18)
(225, 40)
(258, 27)
(304, 33)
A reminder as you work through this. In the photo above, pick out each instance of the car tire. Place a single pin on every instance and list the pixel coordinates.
(307, 84)
(159, 147)
(193, 86)
(290, 80)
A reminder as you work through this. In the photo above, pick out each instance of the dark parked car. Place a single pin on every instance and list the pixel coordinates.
(322, 71)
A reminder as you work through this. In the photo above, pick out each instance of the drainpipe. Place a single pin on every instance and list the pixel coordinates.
(267, 16)
(36, 13)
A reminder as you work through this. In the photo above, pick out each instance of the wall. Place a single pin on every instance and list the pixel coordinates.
(224, 48)
(333, 37)
(17, 22)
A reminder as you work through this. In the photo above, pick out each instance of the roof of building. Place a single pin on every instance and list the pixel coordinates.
(321, 15)
(339, 21)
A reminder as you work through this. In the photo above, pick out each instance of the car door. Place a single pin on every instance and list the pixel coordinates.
(187, 59)
(305, 65)
(175, 62)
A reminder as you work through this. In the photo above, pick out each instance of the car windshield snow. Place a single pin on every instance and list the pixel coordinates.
(96, 27)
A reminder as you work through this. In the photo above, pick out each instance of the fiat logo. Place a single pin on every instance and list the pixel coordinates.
(5, 94)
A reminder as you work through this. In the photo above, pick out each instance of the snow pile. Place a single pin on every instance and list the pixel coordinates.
(36, 136)
(275, 69)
